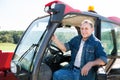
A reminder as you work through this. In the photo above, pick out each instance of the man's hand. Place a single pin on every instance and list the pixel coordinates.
(54, 38)
(59, 44)
(86, 68)
(89, 65)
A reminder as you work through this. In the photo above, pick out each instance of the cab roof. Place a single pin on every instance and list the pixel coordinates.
(74, 18)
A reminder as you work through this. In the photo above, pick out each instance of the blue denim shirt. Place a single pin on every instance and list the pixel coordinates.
(92, 50)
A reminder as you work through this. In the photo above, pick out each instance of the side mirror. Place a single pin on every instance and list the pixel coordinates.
(58, 13)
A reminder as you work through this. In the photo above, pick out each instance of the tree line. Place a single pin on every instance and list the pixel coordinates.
(10, 36)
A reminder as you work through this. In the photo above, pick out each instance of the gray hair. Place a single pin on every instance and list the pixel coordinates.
(88, 21)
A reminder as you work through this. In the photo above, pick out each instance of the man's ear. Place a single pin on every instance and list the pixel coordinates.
(92, 28)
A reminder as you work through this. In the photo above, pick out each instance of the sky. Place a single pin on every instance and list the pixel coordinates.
(18, 14)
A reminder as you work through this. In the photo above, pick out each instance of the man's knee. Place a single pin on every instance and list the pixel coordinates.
(62, 75)
(56, 75)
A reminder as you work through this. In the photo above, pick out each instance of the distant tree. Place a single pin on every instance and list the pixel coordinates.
(10, 36)
(5, 37)
(17, 36)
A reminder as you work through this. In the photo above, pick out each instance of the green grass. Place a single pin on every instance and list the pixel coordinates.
(7, 47)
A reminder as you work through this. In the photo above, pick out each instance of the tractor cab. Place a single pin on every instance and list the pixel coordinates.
(36, 57)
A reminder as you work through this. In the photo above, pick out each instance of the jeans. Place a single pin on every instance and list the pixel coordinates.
(64, 74)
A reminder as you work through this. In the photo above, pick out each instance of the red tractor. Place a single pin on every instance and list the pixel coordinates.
(36, 57)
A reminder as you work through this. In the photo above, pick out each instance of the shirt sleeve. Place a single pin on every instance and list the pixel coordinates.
(100, 53)
(67, 46)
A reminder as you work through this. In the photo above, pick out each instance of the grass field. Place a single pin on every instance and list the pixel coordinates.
(7, 47)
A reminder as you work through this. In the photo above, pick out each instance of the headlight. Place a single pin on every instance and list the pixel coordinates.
(53, 5)
(15, 67)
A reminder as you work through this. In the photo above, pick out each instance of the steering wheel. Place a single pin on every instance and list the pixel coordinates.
(55, 57)
(55, 50)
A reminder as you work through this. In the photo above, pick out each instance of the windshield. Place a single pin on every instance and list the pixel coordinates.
(30, 38)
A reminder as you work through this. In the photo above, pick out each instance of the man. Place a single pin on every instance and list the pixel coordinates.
(87, 54)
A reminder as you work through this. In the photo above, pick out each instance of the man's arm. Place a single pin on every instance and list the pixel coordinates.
(89, 65)
(98, 62)
(59, 44)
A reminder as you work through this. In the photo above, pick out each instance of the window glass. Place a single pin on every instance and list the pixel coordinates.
(108, 32)
(65, 34)
(117, 30)
(26, 50)
(106, 36)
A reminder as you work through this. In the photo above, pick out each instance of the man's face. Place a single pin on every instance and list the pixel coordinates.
(86, 30)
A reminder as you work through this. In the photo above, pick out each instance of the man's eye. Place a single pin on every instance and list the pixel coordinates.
(86, 28)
